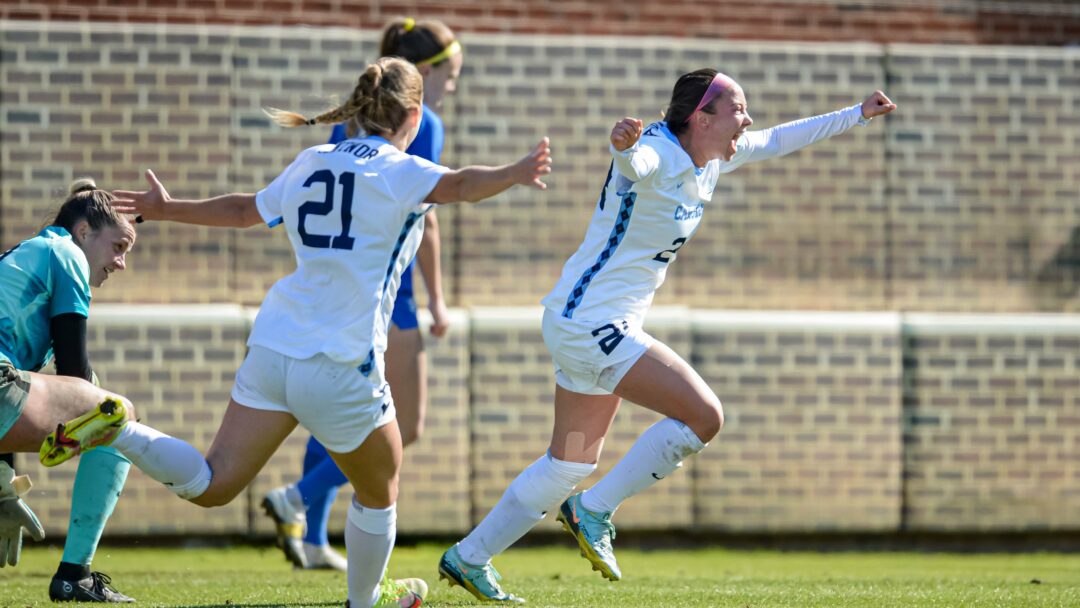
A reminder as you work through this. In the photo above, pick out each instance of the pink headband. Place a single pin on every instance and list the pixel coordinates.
(720, 83)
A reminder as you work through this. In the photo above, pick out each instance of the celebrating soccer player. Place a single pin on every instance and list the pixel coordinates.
(660, 180)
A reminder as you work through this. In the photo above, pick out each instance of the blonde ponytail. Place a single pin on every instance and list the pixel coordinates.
(379, 105)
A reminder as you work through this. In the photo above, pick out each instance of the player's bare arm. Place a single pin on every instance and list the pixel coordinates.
(235, 210)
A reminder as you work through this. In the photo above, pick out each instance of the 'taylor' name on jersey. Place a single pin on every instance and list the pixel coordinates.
(358, 149)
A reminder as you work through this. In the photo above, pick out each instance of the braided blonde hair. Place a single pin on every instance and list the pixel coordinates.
(384, 95)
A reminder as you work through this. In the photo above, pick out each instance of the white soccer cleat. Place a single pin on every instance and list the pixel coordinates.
(324, 557)
(289, 523)
(401, 593)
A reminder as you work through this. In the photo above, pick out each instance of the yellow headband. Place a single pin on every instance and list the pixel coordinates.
(409, 24)
(452, 49)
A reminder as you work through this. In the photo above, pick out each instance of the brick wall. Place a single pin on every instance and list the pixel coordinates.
(962, 201)
(811, 440)
(983, 179)
(991, 423)
(1046, 22)
(835, 422)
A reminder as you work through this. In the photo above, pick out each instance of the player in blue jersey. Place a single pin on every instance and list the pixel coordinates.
(432, 47)
(44, 303)
(660, 182)
(354, 214)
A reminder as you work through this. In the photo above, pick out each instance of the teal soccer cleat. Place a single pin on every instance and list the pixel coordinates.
(593, 532)
(481, 581)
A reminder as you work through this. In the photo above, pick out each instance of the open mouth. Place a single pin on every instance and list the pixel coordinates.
(733, 146)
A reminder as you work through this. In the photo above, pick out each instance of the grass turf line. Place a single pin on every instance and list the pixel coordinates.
(557, 576)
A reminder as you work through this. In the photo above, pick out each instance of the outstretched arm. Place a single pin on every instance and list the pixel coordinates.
(428, 257)
(791, 136)
(236, 210)
(472, 184)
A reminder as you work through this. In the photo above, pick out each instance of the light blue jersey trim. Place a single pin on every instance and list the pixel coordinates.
(618, 231)
(273, 223)
(668, 134)
(369, 363)
(409, 223)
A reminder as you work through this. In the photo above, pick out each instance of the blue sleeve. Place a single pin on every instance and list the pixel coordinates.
(429, 139)
(70, 282)
(337, 135)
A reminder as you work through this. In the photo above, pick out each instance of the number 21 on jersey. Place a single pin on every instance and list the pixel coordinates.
(347, 181)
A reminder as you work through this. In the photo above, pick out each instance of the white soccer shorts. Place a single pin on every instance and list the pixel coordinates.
(590, 357)
(333, 400)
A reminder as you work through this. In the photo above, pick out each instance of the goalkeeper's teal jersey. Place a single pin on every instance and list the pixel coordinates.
(40, 278)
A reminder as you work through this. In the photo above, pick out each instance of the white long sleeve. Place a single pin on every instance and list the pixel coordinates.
(636, 162)
(791, 136)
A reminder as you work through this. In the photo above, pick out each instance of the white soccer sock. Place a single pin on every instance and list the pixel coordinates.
(171, 461)
(537, 490)
(657, 453)
(369, 539)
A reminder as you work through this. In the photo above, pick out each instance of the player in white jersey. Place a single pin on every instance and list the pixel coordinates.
(354, 215)
(300, 511)
(659, 183)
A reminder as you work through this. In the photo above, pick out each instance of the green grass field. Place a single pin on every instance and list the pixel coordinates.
(556, 576)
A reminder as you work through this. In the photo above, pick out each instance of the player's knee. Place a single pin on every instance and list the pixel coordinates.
(93, 395)
(211, 498)
(218, 494)
(376, 496)
(132, 414)
(710, 420)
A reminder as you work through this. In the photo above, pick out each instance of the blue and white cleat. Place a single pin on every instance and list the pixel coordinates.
(593, 532)
(481, 581)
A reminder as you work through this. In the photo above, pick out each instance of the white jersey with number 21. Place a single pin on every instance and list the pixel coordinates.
(353, 212)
